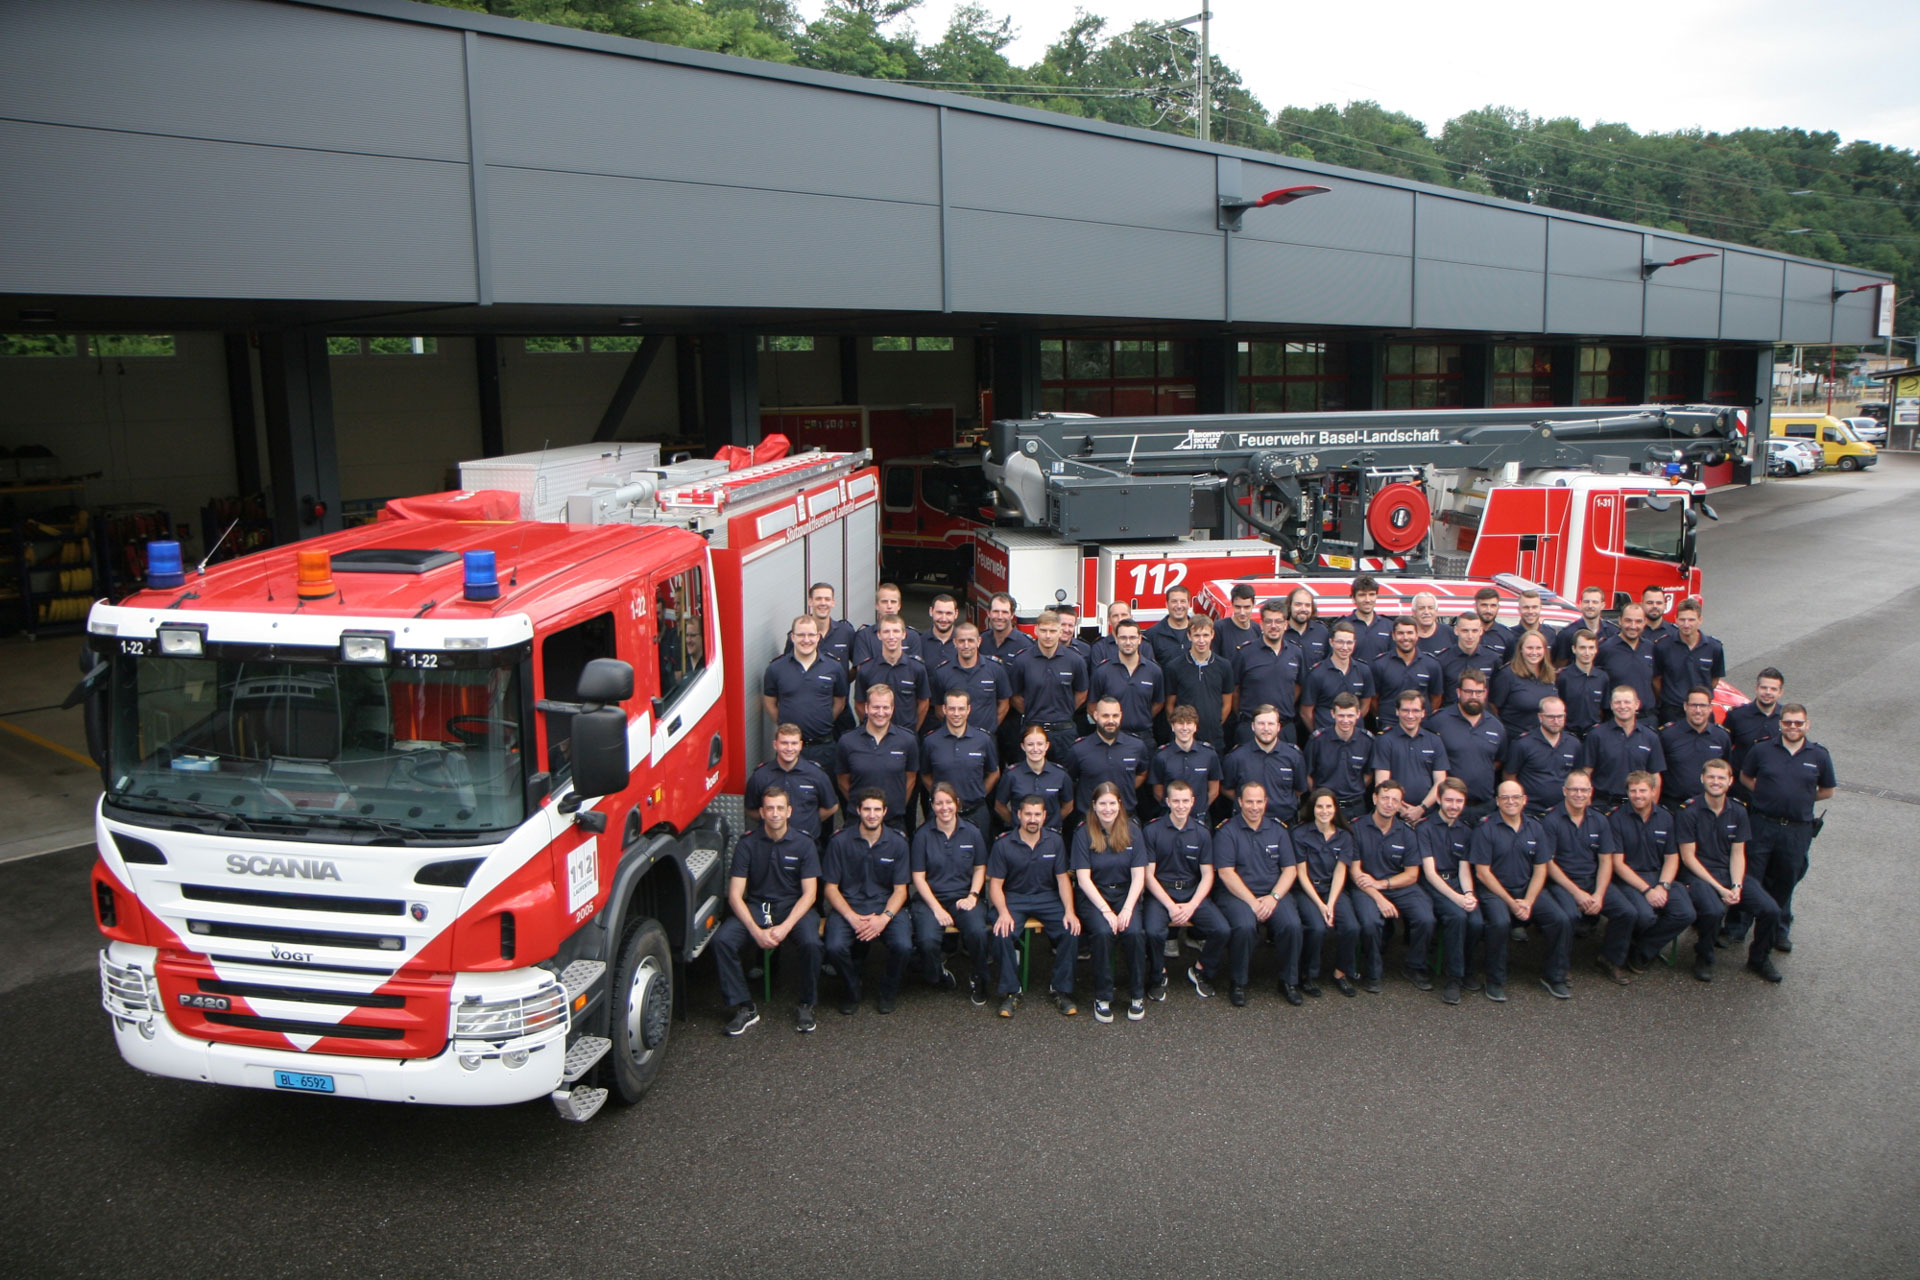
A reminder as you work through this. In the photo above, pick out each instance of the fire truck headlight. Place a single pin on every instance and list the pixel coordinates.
(364, 647)
(514, 1060)
(470, 1061)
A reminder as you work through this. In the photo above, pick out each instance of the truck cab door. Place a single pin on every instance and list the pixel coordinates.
(681, 671)
(1599, 550)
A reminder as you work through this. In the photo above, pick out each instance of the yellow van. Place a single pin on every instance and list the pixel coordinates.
(1841, 447)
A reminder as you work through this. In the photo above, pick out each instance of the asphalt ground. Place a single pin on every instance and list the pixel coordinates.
(1665, 1129)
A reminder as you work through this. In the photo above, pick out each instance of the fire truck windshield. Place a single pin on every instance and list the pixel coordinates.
(303, 750)
(1657, 527)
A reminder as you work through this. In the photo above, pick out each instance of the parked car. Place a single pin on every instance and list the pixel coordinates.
(1872, 430)
(1841, 447)
(1792, 457)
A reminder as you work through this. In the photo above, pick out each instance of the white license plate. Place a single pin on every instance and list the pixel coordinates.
(304, 1081)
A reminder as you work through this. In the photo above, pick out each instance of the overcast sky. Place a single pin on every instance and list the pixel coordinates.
(1655, 65)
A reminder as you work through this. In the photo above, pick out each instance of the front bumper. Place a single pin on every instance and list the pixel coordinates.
(467, 1073)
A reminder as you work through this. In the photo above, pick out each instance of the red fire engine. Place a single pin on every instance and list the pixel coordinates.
(437, 809)
(1110, 509)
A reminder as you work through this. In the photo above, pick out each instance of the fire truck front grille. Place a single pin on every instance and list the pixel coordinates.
(293, 1027)
(292, 901)
(267, 991)
(296, 937)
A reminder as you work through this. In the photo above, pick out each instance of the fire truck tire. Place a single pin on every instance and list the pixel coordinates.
(642, 998)
(1398, 517)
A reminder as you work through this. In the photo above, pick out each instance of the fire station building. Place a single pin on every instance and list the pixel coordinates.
(278, 260)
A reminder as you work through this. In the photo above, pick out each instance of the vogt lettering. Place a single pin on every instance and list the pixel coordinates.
(240, 864)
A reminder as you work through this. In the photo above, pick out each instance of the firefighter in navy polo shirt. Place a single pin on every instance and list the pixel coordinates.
(1027, 880)
(1109, 862)
(1107, 755)
(1619, 747)
(1648, 867)
(1341, 673)
(1003, 641)
(1133, 679)
(1254, 870)
(836, 634)
(1034, 775)
(1474, 649)
(891, 665)
(1372, 631)
(1322, 898)
(1787, 777)
(1337, 757)
(1273, 762)
(1752, 723)
(1202, 678)
(1653, 603)
(1304, 627)
(1049, 684)
(1510, 852)
(937, 642)
(1714, 832)
(809, 790)
(1447, 875)
(1527, 680)
(1688, 744)
(1411, 755)
(948, 868)
(867, 642)
(1580, 880)
(1584, 686)
(1386, 874)
(1593, 603)
(865, 880)
(880, 754)
(1406, 669)
(1179, 881)
(771, 888)
(1486, 611)
(1431, 636)
(1476, 742)
(1241, 626)
(989, 685)
(1268, 671)
(1170, 637)
(962, 756)
(808, 689)
(1542, 758)
(1686, 660)
(1186, 759)
(1627, 658)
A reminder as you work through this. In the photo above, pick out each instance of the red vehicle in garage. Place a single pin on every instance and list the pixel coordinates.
(438, 809)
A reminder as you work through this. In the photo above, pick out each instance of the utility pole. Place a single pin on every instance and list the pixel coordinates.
(1203, 121)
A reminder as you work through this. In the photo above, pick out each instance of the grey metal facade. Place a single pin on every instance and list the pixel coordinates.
(351, 158)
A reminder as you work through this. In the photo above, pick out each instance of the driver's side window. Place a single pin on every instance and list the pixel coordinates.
(563, 656)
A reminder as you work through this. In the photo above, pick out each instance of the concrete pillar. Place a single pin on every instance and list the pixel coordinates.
(300, 449)
(1016, 375)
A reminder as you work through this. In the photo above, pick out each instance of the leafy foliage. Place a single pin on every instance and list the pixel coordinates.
(1808, 193)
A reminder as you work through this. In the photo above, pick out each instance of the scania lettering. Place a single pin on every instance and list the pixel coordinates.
(439, 809)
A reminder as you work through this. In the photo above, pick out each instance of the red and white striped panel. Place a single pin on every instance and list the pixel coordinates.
(1365, 564)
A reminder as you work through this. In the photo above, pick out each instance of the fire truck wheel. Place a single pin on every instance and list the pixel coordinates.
(642, 996)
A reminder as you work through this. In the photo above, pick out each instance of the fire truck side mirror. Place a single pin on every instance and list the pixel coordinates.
(605, 681)
(599, 747)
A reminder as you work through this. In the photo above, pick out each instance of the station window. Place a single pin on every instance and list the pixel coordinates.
(612, 342)
(1132, 377)
(116, 345)
(563, 656)
(339, 346)
(780, 343)
(1665, 384)
(553, 345)
(1522, 376)
(1424, 376)
(403, 346)
(1293, 377)
(39, 344)
(1604, 376)
(912, 344)
(1725, 374)
(680, 613)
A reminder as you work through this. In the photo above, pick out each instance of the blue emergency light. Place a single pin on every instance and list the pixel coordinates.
(483, 580)
(164, 566)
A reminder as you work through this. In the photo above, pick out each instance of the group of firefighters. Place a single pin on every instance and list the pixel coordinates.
(1266, 773)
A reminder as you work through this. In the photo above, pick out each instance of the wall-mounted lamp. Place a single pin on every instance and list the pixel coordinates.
(1649, 267)
(1232, 208)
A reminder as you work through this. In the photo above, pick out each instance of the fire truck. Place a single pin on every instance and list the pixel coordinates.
(438, 809)
(1097, 510)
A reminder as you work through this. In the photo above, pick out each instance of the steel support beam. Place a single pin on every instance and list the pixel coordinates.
(300, 446)
(636, 373)
(493, 421)
(729, 389)
(246, 441)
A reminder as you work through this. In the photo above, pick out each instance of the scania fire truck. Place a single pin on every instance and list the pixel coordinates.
(1097, 510)
(438, 809)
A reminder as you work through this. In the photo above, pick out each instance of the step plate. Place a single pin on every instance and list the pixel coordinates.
(582, 1054)
(580, 1104)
